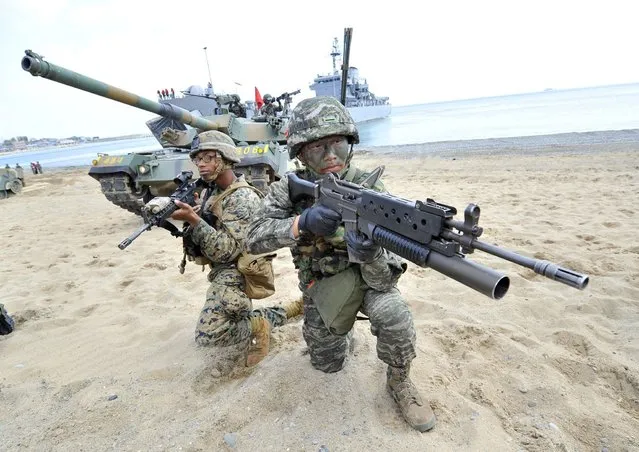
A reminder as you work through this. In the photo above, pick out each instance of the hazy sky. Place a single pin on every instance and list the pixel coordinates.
(413, 52)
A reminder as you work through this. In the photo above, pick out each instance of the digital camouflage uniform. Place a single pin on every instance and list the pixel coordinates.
(320, 257)
(224, 319)
(227, 316)
(317, 257)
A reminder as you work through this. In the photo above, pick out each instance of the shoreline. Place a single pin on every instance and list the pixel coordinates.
(562, 143)
(585, 142)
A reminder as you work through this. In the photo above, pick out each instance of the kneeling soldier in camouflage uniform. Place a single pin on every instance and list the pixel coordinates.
(227, 317)
(321, 133)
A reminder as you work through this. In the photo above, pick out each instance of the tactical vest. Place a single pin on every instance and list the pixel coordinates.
(320, 257)
(258, 271)
(326, 275)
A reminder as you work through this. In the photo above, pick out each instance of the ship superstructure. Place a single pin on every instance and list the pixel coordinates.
(361, 103)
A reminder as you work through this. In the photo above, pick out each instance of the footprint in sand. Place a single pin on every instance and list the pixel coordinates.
(155, 265)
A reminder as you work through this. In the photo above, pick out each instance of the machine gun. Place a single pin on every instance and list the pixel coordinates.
(185, 193)
(287, 96)
(423, 232)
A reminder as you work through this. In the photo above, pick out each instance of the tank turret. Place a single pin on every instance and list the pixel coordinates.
(132, 179)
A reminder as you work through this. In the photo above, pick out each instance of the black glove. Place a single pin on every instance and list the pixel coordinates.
(362, 249)
(319, 220)
(6, 322)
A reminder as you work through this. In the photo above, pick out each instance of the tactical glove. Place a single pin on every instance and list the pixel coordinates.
(319, 220)
(361, 249)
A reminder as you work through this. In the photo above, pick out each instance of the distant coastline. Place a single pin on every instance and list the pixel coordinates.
(66, 142)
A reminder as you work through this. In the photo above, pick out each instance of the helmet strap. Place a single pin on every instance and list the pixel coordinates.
(347, 164)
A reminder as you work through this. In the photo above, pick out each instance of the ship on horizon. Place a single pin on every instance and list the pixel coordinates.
(362, 104)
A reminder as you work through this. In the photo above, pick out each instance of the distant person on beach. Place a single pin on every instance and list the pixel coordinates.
(34, 168)
(6, 166)
(321, 133)
(38, 168)
(214, 236)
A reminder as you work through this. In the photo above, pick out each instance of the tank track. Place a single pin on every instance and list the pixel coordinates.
(119, 190)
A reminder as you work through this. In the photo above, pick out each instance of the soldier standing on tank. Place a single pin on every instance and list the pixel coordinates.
(269, 108)
(227, 317)
(321, 133)
(236, 107)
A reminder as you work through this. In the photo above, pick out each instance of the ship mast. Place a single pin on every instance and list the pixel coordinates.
(334, 54)
(206, 55)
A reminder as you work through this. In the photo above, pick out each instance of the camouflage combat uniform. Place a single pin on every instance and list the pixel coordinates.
(320, 257)
(225, 317)
(237, 109)
(319, 128)
(270, 108)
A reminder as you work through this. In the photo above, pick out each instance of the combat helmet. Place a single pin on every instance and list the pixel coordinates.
(215, 141)
(316, 118)
(267, 98)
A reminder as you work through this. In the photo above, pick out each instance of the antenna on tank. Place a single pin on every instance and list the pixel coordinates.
(206, 55)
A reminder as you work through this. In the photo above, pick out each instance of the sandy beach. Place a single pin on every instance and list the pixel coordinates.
(103, 357)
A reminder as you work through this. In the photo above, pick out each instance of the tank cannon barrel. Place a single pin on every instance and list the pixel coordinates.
(36, 66)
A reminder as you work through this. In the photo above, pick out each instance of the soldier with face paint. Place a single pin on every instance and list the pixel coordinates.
(321, 133)
(216, 237)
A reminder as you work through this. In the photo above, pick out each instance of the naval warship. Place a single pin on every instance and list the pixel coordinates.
(361, 103)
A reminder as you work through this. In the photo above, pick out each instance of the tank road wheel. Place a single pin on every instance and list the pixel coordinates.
(15, 186)
(119, 189)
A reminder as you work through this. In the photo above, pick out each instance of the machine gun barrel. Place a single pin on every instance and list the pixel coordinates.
(541, 267)
(36, 66)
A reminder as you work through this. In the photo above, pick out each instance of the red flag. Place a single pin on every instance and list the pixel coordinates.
(258, 99)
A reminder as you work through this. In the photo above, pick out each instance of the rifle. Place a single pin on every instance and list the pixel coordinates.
(185, 193)
(423, 232)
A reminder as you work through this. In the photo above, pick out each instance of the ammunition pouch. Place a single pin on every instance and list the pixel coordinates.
(338, 299)
(258, 274)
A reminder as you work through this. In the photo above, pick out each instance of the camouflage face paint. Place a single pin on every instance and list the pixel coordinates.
(327, 155)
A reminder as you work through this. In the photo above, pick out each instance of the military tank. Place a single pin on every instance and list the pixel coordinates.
(131, 180)
(11, 181)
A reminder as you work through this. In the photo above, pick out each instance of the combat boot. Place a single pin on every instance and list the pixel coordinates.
(294, 308)
(418, 414)
(260, 340)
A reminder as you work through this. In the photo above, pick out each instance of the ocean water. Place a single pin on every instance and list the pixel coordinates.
(545, 113)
